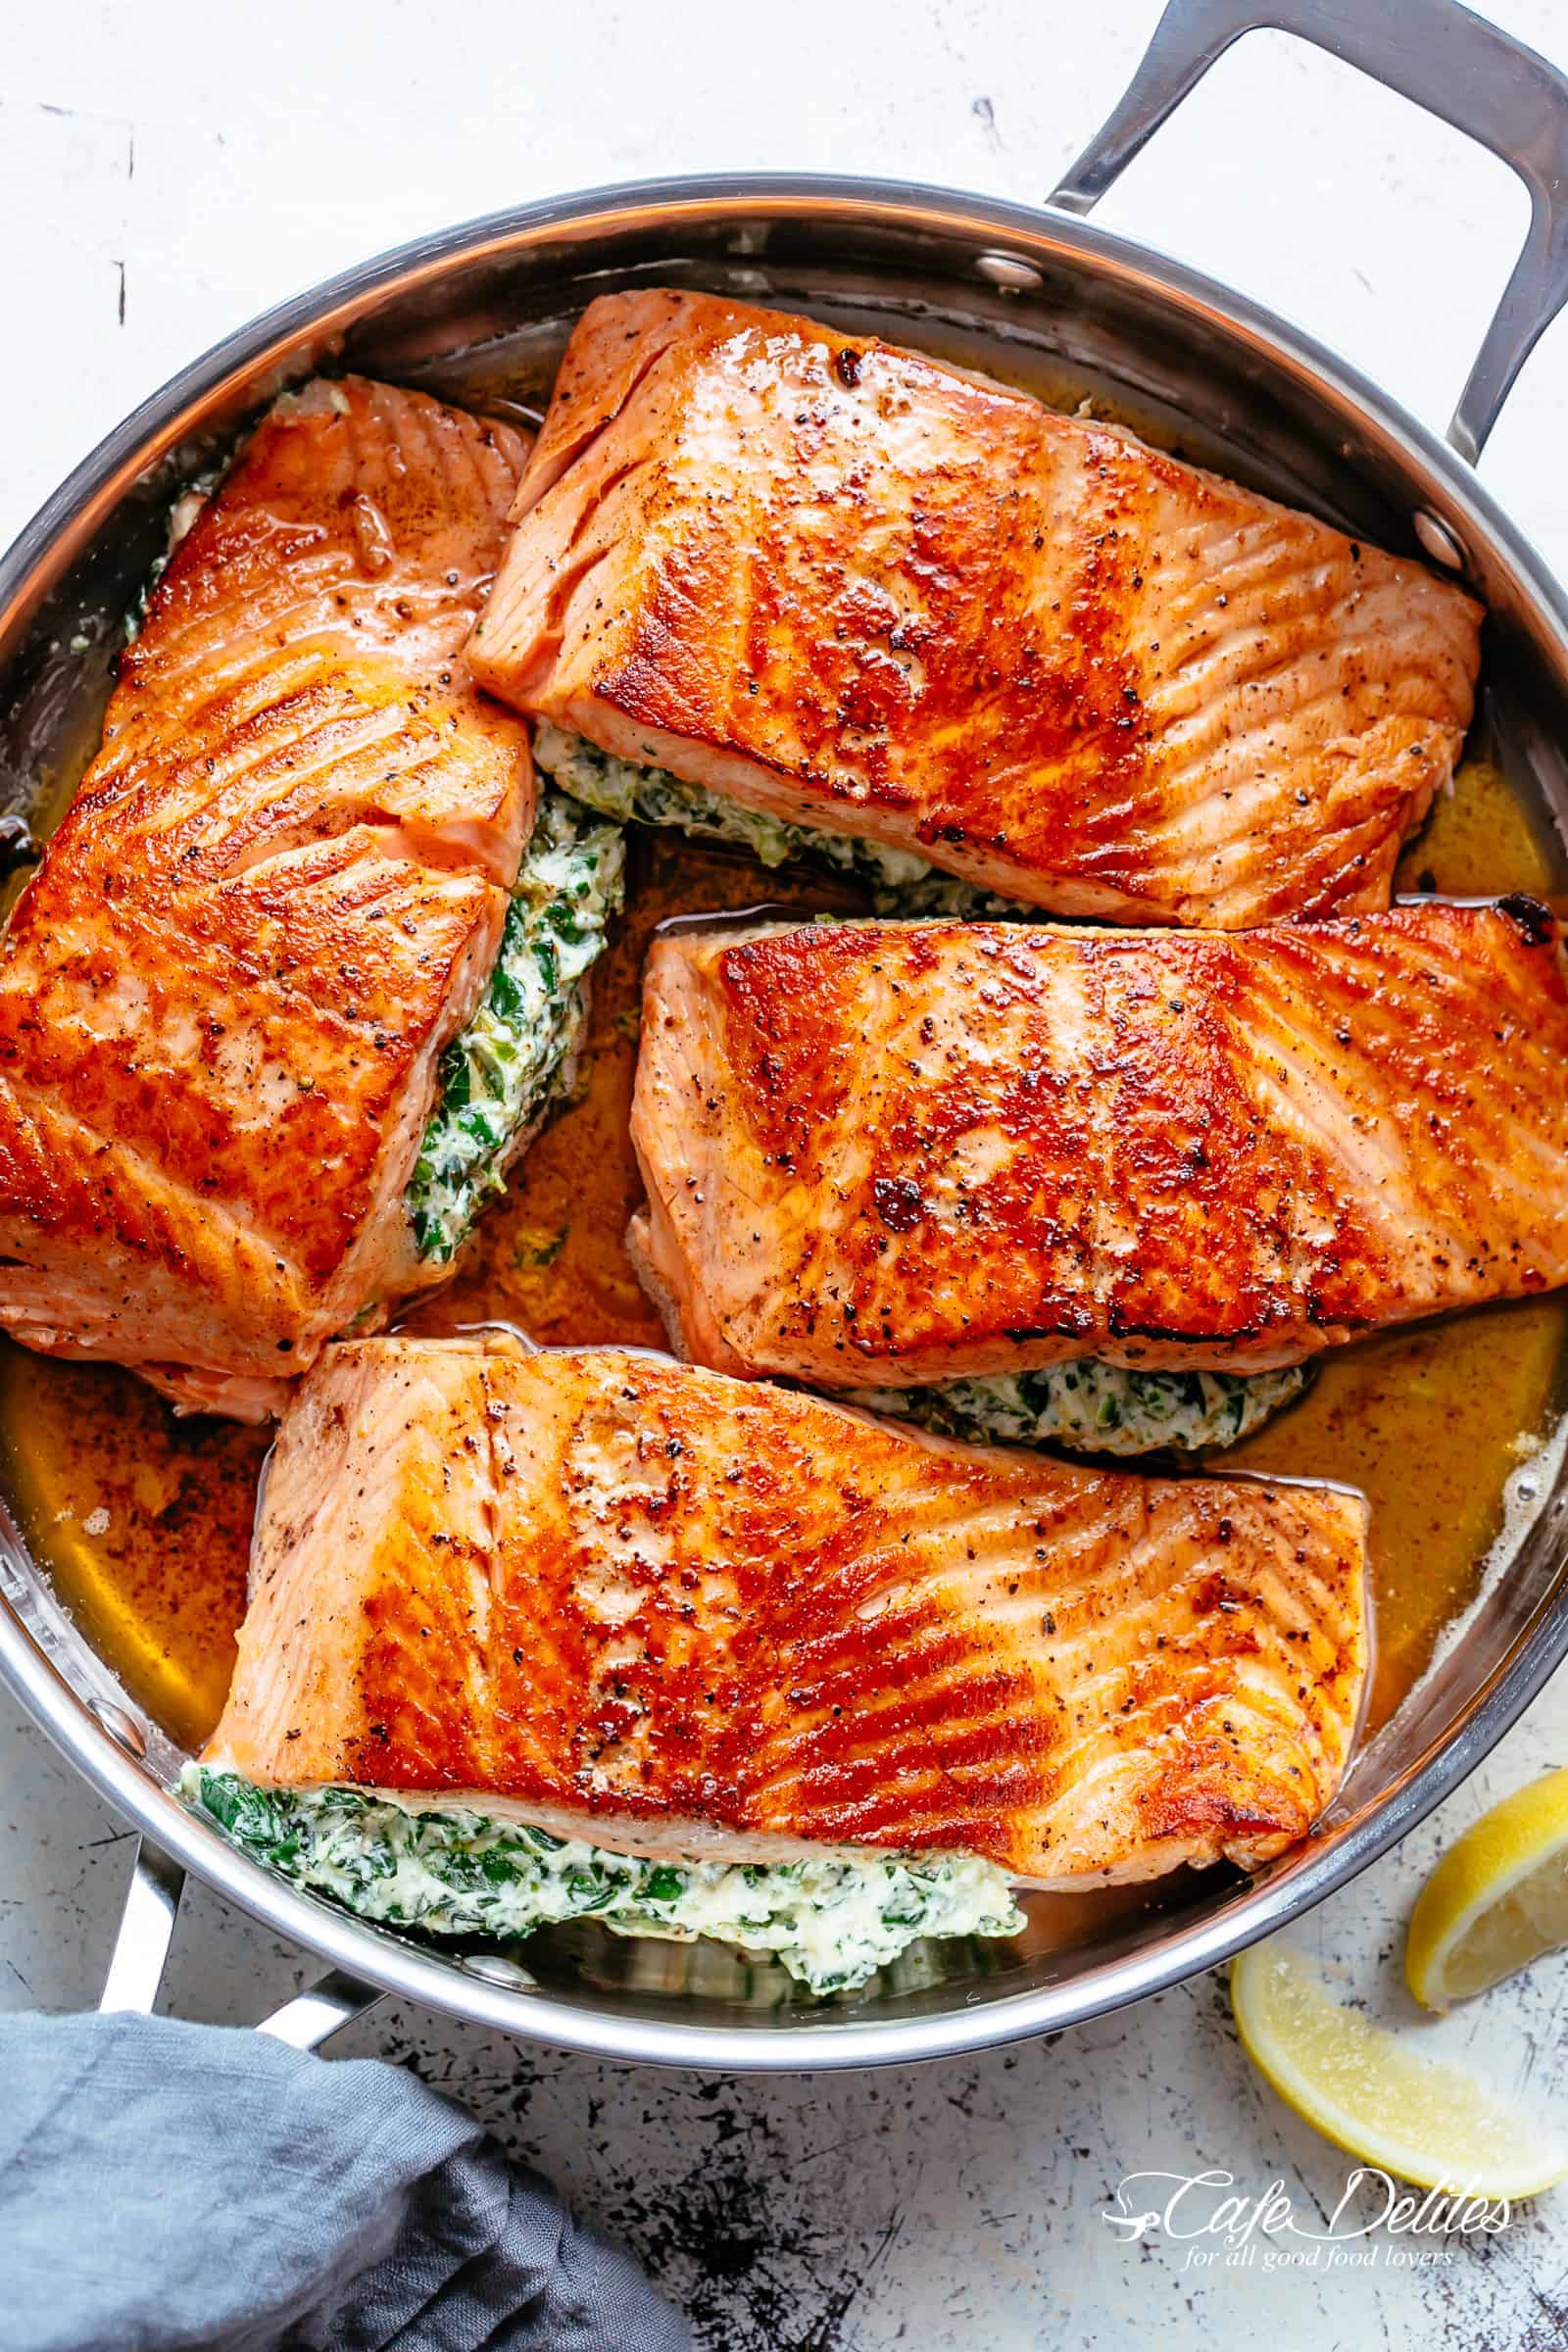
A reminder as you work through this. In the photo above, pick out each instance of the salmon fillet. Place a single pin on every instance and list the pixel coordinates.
(598, 1586)
(853, 588)
(276, 895)
(885, 1155)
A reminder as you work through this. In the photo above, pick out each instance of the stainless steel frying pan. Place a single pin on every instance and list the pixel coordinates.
(1028, 292)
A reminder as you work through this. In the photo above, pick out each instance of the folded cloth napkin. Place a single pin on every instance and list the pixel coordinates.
(167, 2187)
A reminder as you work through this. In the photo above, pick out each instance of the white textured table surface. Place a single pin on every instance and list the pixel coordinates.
(168, 170)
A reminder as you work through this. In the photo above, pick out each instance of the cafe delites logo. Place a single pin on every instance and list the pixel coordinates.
(1377, 2221)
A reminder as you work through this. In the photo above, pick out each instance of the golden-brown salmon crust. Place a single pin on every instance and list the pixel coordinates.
(890, 1153)
(276, 896)
(600, 1585)
(856, 589)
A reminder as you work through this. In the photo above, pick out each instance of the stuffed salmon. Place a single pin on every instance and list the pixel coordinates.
(816, 593)
(588, 1631)
(880, 1157)
(260, 1007)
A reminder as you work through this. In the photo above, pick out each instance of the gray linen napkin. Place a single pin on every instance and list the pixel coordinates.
(168, 2187)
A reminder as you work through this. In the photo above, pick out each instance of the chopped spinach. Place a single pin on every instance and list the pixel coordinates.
(499, 1076)
(898, 882)
(1095, 1407)
(833, 1918)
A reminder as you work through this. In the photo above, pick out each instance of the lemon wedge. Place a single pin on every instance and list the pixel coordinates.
(1497, 1899)
(1370, 2092)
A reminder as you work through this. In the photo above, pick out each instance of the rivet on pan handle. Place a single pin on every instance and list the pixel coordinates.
(141, 1948)
(1438, 56)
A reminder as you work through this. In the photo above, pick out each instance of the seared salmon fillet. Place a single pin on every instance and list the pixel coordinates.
(884, 1154)
(276, 895)
(701, 1616)
(849, 587)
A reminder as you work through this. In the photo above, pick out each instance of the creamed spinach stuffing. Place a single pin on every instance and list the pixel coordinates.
(898, 882)
(1093, 1407)
(501, 1074)
(833, 1920)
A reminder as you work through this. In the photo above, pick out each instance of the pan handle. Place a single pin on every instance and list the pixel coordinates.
(141, 1948)
(1434, 53)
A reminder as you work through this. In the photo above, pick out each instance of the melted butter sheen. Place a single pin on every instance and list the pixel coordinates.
(144, 1520)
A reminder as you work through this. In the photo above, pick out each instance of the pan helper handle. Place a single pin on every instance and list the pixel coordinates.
(141, 1948)
(1440, 57)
